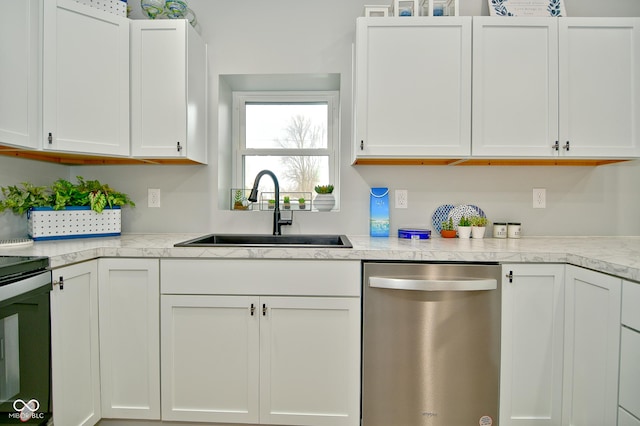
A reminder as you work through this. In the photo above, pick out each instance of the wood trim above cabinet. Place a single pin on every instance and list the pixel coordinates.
(590, 162)
(85, 159)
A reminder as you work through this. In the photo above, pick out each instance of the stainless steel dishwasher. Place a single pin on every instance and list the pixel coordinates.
(431, 344)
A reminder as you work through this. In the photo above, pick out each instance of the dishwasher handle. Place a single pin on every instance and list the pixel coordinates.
(433, 285)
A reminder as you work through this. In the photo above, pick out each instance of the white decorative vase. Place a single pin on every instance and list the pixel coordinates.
(477, 231)
(464, 231)
(324, 202)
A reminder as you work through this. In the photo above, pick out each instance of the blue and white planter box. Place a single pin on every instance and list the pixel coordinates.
(44, 223)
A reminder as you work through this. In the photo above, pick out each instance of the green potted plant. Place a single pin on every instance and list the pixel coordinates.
(324, 200)
(301, 203)
(271, 204)
(464, 228)
(287, 202)
(44, 204)
(478, 226)
(448, 231)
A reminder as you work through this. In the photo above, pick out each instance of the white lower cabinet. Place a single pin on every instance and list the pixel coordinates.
(629, 399)
(592, 343)
(532, 342)
(129, 298)
(259, 355)
(74, 345)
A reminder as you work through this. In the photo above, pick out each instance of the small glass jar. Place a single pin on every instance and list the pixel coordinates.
(499, 230)
(513, 230)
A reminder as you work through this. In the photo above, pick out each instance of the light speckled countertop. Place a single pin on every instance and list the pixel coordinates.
(618, 256)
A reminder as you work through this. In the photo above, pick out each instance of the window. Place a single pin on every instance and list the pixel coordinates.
(293, 134)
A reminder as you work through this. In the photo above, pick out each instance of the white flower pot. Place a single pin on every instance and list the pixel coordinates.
(464, 231)
(324, 202)
(477, 231)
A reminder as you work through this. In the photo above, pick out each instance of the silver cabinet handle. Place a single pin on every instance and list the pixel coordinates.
(433, 285)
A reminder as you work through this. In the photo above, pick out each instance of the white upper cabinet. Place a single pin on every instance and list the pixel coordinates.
(85, 80)
(168, 90)
(599, 87)
(412, 87)
(556, 87)
(515, 86)
(19, 68)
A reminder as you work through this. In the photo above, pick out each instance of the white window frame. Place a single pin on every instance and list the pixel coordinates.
(241, 98)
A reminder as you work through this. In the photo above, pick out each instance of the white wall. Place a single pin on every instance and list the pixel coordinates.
(292, 36)
(13, 171)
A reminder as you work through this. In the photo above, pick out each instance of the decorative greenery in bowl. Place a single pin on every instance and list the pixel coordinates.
(61, 194)
(323, 189)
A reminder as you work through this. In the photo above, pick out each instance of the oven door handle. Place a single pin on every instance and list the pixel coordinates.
(433, 285)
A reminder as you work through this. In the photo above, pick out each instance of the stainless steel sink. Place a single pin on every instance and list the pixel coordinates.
(260, 240)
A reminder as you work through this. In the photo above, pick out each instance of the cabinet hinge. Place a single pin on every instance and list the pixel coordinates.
(510, 276)
(253, 309)
(556, 146)
(178, 147)
(566, 146)
(264, 310)
(50, 138)
(361, 145)
(59, 283)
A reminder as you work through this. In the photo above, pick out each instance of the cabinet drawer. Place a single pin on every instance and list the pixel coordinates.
(630, 371)
(260, 277)
(626, 419)
(630, 303)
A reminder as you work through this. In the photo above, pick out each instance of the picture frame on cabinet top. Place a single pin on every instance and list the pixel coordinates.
(376, 11)
(529, 8)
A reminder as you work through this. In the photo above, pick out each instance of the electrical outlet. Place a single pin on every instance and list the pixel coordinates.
(402, 199)
(539, 198)
(154, 197)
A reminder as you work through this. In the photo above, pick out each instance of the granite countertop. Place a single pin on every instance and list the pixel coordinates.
(618, 256)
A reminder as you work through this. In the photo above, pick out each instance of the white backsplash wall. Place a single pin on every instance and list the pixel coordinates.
(289, 36)
(13, 171)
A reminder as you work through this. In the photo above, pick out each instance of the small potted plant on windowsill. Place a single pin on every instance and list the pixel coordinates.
(448, 231)
(287, 202)
(464, 228)
(478, 226)
(271, 204)
(239, 202)
(301, 203)
(324, 200)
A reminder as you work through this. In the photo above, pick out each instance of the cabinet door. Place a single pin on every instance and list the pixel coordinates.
(532, 343)
(210, 360)
(85, 79)
(592, 336)
(129, 294)
(600, 86)
(310, 361)
(515, 86)
(74, 345)
(20, 52)
(413, 87)
(168, 90)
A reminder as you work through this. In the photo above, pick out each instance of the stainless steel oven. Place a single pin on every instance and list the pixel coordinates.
(25, 366)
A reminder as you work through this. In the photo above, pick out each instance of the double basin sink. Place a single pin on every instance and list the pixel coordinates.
(261, 240)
